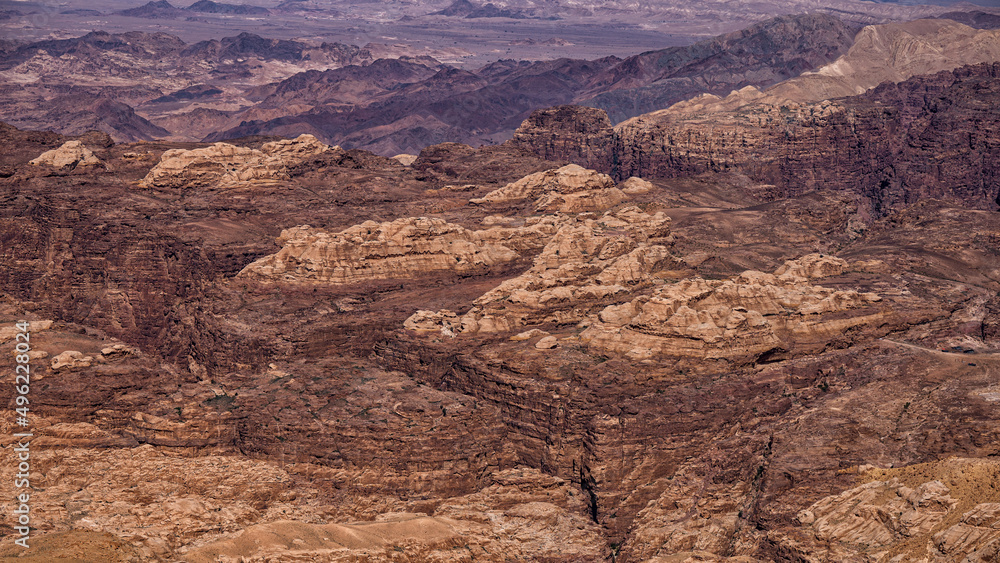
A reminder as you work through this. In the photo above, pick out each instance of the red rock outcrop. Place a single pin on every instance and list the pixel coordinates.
(793, 136)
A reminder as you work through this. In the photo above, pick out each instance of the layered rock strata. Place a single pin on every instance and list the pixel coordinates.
(804, 134)
(589, 260)
(748, 315)
(403, 248)
(223, 164)
(570, 189)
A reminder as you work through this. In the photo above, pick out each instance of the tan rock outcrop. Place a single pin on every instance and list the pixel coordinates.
(547, 343)
(587, 261)
(937, 512)
(528, 335)
(71, 359)
(747, 315)
(443, 321)
(635, 186)
(568, 179)
(580, 202)
(372, 251)
(405, 159)
(118, 351)
(297, 149)
(71, 153)
(223, 164)
(10, 332)
(570, 189)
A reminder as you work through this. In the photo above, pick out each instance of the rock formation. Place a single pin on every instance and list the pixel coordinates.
(405, 159)
(579, 134)
(636, 186)
(399, 249)
(589, 260)
(292, 151)
(804, 134)
(943, 511)
(71, 153)
(746, 316)
(570, 189)
(71, 359)
(225, 165)
(219, 408)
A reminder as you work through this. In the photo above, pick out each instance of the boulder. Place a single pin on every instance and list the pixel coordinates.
(70, 154)
(71, 359)
(635, 186)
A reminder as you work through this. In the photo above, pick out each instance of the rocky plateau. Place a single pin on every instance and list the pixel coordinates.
(758, 326)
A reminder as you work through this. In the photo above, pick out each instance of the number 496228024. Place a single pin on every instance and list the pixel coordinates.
(22, 370)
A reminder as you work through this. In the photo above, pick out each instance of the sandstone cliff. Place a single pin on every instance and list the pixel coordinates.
(793, 136)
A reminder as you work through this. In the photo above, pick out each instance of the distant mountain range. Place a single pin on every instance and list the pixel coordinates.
(251, 85)
(164, 9)
(489, 103)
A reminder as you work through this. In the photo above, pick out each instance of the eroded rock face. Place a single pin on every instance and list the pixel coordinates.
(747, 315)
(587, 261)
(297, 149)
(223, 164)
(370, 251)
(71, 359)
(936, 512)
(570, 189)
(577, 133)
(443, 321)
(803, 134)
(71, 153)
(802, 146)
